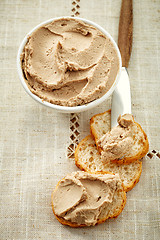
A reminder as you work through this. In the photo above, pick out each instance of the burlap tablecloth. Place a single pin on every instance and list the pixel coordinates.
(34, 140)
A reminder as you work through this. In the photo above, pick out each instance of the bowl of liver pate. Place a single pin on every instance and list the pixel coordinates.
(69, 64)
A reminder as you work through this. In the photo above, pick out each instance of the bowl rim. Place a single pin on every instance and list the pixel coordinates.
(60, 108)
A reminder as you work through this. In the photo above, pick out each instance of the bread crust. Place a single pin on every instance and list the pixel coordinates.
(75, 225)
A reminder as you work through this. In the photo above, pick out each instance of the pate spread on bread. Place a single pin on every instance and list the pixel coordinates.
(125, 143)
(84, 199)
(111, 161)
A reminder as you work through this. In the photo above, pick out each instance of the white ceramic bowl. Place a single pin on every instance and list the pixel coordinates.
(58, 107)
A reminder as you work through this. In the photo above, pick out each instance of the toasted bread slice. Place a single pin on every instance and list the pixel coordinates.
(87, 158)
(115, 207)
(100, 125)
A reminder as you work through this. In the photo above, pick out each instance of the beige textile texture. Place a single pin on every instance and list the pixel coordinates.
(34, 139)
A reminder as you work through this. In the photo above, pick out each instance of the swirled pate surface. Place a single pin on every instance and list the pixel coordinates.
(69, 63)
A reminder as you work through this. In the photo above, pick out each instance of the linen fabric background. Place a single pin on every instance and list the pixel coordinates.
(34, 139)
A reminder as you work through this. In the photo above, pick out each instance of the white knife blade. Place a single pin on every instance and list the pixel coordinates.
(121, 98)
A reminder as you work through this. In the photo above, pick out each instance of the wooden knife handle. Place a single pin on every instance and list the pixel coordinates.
(125, 31)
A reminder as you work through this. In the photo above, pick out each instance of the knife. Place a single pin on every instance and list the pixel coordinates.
(121, 98)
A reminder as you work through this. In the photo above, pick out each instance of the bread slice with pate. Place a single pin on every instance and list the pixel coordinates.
(100, 127)
(84, 199)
